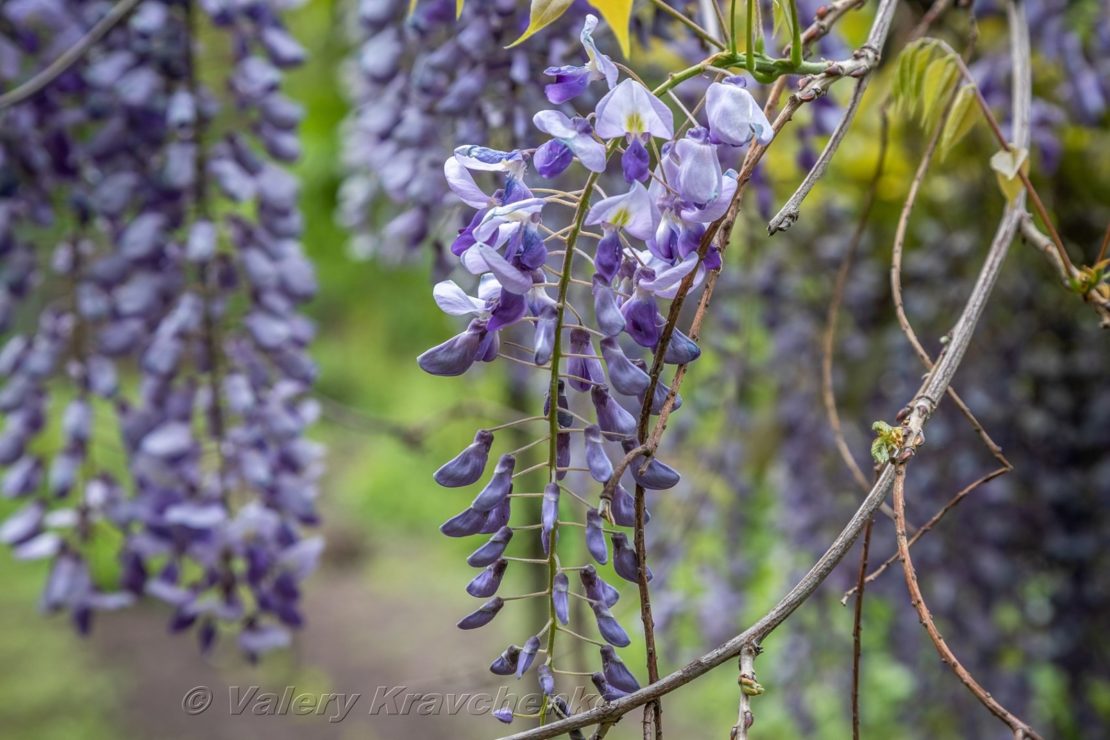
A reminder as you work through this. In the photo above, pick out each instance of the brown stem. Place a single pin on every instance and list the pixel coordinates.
(896, 281)
(927, 526)
(1020, 728)
(857, 627)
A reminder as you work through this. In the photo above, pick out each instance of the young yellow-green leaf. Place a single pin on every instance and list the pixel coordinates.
(912, 64)
(618, 14)
(1006, 165)
(542, 14)
(935, 89)
(960, 120)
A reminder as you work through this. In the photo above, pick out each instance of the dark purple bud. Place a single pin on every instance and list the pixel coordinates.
(607, 691)
(546, 680)
(483, 616)
(503, 714)
(464, 524)
(616, 672)
(681, 349)
(456, 355)
(610, 320)
(532, 256)
(570, 82)
(543, 341)
(498, 517)
(595, 537)
(505, 664)
(499, 486)
(626, 377)
(611, 416)
(656, 475)
(206, 636)
(560, 589)
(625, 562)
(562, 454)
(635, 161)
(609, 627)
(549, 515)
(564, 419)
(527, 655)
(584, 371)
(487, 582)
(596, 587)
(607, 259)
(492, 550)
(601, 468)
(467, 467)
(624, 508)
(552, 158)
(641, 317)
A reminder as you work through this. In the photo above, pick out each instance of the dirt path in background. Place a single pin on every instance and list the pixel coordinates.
(359, 636)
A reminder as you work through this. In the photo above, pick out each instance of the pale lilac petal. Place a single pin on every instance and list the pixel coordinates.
(630, 108)
(453, 301)
(512, 279)
(463, 185)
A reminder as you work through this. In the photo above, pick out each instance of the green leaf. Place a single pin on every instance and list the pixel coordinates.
(935, 89)
(960, 120)
(542, 15)
(1007, 165)
(618, 14)
(879, 451)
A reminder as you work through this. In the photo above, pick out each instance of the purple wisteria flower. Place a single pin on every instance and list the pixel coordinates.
(571, 81)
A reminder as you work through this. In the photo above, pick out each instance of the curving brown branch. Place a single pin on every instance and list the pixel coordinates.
(933, 520)
(857, 624)
(1021, 729)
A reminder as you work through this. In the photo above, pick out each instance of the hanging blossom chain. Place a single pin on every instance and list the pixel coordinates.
(166, 230)
(648, 242)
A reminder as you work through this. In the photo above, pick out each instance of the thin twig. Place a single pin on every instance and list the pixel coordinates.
(927, 526)
(71, 56)
(1020, 728)
(857, 625)
(1097, 297)
(828, 337)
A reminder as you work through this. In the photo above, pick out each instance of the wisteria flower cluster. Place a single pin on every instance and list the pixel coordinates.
(181, 434)
(418, 83)
(526, 253)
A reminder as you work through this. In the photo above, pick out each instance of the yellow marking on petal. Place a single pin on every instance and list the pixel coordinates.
(621, 217)
(634, 124)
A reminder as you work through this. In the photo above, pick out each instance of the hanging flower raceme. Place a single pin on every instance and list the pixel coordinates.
(634, 247)
(160, 218)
